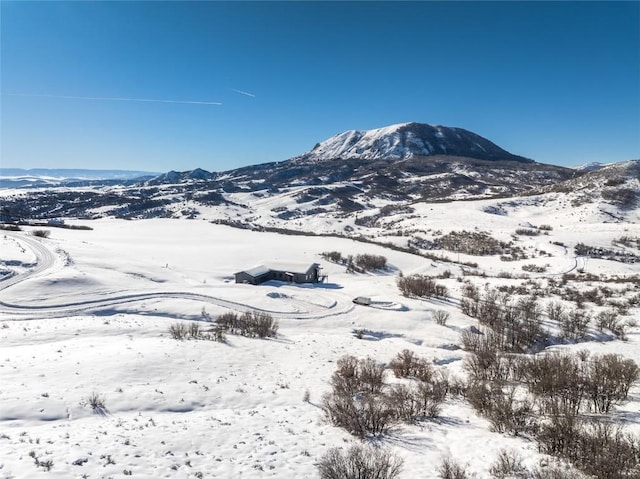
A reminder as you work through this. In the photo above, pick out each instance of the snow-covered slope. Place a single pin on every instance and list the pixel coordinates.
(87, 312)
(407, 140)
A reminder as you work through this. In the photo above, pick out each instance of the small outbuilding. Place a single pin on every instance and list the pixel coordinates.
(362, 300)
(293, 273)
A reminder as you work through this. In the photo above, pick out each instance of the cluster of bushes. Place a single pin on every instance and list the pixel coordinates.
(614, 181)
(534, 268)
(183, 332)
(516, 326)
(370, 262)
(596, 447)
(361, 402)
(549, 396)
(571, 383)
(600, 295)
(624, 197)
(510, 465)
(496, 309)
(574, 323)
(359, 263)
(609, 319)
(582, 249)
(527, 232)
(421, 286)
(252, 324)
(41, 233)
(359, 462)
(470, 242)
(387, 210)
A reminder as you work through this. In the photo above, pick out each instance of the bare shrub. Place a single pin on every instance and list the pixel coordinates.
(195, 331)
(556, 471)
(486, 360)
(355, 402)
(508, 465)
(408, 364)
(609, 319)
(609, 379)
(480, 395)
(558, 436)
(179, 331)
(606, 452)
(449, 469)
(360, 414)
(96, 401)
(261, 324)
(420, 286)
(556, 380)
(402, 400)
(574, 325)
(555, 311)
(251, 324)
(516, 326)
(500, 407)
(229, 321)
(219, 335)
(441, 317)
(527, 232)
(46, 465)
(430, 397)
(565, 382)
(599, 449)
(359, 462)
(471, 242)
(354, 375)
(506, 414)
(533, 268)
(333, 256)
(370, 262)
(41, 233)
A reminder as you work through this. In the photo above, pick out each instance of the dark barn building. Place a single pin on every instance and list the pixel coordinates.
(296, 274)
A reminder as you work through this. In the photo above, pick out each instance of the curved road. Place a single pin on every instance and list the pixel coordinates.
(46, 260)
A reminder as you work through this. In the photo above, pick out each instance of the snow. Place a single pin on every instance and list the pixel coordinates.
(88, 312)
(386, 142)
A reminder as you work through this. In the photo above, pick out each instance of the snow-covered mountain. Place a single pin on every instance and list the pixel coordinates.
(593, 166)
(352, 174)
(408, 140)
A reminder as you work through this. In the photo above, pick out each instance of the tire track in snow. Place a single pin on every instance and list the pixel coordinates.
(45, 261)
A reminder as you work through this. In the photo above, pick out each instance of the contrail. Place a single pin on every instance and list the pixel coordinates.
(246, 93)
(105, 98)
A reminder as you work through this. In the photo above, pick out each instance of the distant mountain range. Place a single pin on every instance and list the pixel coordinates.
(352, 172)
(46, 177)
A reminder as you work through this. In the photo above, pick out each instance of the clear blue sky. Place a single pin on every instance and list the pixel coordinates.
(558, 82)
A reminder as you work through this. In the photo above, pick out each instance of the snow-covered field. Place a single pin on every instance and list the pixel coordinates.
(86, 312)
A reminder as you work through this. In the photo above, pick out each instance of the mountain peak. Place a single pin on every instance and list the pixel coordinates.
(407, 140)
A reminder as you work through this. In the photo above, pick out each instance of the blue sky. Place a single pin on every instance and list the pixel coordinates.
(558, 82)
